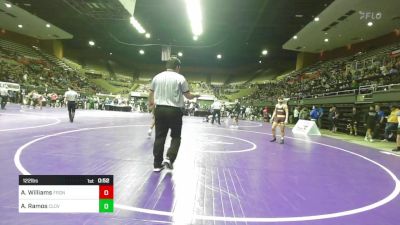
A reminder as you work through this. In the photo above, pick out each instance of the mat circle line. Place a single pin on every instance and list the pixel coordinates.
(377, 204)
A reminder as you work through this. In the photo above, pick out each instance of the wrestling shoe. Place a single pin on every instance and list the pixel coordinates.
(167, 163)
(158, 169)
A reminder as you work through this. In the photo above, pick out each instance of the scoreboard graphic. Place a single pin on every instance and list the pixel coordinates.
(66, 194)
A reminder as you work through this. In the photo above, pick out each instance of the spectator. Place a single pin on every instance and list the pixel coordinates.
(370, 121)
(304, 113)
(379, 121)
(243, 112)
(223, 109)
(397, 149)
(393, 70)
(265, 114)
(314, 114)
(296, 113)
(392, 122)
(333, 117)
(321, 113)
(353, 122)
(248, 112)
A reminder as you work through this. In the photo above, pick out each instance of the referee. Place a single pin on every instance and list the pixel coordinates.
(166, 93)
(216, 107)
(70, 98)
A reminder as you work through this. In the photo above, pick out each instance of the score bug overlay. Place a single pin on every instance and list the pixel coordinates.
(66, 194)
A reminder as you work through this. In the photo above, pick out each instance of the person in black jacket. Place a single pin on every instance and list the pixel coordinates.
(353, 121)
(333, 117)
(370, 121)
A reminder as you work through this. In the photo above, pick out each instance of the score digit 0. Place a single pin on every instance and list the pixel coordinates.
(106, 192)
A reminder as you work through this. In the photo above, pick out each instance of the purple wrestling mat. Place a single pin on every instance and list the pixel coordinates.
(221, 176)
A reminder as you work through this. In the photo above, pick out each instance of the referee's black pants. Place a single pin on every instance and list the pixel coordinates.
(167, 117)
(218, 113)
(71, 110)
(3, 101)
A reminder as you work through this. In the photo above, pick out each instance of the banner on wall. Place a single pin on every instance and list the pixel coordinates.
(10, 86)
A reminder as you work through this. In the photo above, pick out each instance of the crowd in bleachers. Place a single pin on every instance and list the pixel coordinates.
(25, 66)
(39, 74)
(372, 68)
(201, 87)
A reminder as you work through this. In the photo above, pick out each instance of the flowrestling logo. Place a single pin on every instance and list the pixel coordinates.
(368, 15)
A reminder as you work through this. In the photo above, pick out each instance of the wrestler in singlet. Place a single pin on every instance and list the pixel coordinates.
(280, 113)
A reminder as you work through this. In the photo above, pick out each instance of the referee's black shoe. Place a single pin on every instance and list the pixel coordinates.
(167, 163)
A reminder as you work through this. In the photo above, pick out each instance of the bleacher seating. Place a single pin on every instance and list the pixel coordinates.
(32, 68)
(336, 76)
(20, 50)
(56, 61)
(219, 79)
(196, 77)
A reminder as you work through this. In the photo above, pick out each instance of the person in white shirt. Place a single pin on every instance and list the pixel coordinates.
(3, 97)
(296, 113)
(70, 98)
(216, 107)
(166, 94)
(248, 112)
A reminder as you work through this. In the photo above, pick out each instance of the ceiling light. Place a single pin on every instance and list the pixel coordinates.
(193, 10)
(48, 25)
(264, 52)
(370, 24)
(141, 51)
(20, 26)
(147, 35)
(316, 19)
(295, 37)
(91, 43)
(260, 61)
(137, 25)
(110, 53)
(8, 5)
(298, 15)
(219, 56)
(195, 38)
(180, 54)
(326, 39)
